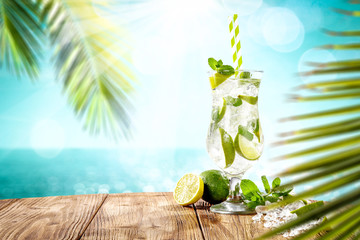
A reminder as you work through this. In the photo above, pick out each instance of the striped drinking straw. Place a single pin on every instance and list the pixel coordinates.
(235, 42)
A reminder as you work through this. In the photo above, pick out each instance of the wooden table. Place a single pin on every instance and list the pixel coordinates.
(119, 216)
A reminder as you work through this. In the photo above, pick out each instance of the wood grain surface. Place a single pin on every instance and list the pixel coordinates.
(120, 216)
(48, 217)
(231, 227)
(143, 216)
(6, 202)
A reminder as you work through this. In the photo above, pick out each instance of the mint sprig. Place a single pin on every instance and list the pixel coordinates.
(220, 68)
(254, 197)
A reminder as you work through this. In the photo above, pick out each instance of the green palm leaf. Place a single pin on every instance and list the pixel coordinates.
(342, 156)
(343, 33)
(338, 83)
(91, 57)
(92, 62)
(338, 205)
(21, 37)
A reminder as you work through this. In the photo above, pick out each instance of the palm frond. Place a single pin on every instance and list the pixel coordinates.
(92, 60)
(332, 112)
(341, 129)
(342, 33)
(342, 156)
(318, 163)
(350, 46)
(346, 12)
(348, 69)
(320, 128)
(337, 83)
(324, 97)
(354, 1)
(21, 37)
(339, 205)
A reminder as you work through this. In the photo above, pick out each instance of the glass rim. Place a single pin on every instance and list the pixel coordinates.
(240, 70)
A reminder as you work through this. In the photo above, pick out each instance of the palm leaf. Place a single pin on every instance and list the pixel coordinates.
(21, 37)
(332, 112)
(92, 60)
(339, 83)
(346, 12)
(341, 158)
(325, 97)
(320, 128)
(343, 33)
(339, 205)
(346, 69)
(351, 46)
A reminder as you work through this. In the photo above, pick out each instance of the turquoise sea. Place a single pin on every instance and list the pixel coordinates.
(23, 173)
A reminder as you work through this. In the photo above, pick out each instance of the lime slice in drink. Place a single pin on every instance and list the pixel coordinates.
(251, 100)
(217, 79)
(257, 130)
(189, 189)
(246, 148)
(218, 114)
(228, 147)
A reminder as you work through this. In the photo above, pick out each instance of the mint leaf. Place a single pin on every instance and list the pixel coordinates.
(219, 63)
(276, 183)
(212, 63)
(245, 75)
(245, 133)
(252, 205)
(266, 183)
(283, 190)
(249, 189)
(271, 199)
(233, 101)
(225, 70)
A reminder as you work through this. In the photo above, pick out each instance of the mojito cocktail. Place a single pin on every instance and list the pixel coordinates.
(235, 140)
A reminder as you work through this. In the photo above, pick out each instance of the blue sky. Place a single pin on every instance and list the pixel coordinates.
(171, 41)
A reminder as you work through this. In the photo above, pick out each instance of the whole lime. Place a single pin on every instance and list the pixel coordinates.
(216, 186)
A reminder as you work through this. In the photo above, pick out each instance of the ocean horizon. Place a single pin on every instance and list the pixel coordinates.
(24, 173)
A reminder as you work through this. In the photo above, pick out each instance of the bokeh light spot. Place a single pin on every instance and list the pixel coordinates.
(282, 29)
(243, 7)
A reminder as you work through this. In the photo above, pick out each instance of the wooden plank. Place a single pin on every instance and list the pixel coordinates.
(232, 227)
(6, 202)
(143, 216)
(49, 217)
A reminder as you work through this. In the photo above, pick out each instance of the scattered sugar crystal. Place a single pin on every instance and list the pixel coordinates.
(275, 217)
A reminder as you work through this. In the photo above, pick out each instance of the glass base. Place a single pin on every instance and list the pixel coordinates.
(231, 207)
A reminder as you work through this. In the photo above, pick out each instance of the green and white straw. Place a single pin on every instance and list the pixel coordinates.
(235, 42)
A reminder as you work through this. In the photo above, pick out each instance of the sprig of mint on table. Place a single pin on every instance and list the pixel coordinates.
(254, 197)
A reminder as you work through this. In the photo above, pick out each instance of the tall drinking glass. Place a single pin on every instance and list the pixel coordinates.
(235, 140)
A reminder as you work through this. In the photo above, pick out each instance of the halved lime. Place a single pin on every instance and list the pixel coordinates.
(228, 147)
(246, 148)
(189, 189)
(250, 99)
(217, 79)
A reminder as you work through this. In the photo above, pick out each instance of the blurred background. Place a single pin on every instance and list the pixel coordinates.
(45, 151)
